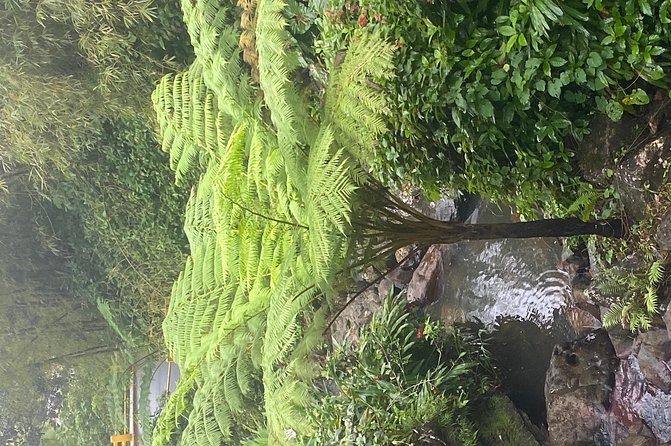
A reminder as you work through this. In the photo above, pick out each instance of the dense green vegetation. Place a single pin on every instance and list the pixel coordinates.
(280, 125)
(490, 97)
(404, 381)
(87, 196)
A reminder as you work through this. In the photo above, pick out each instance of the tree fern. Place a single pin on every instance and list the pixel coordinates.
(239, 309)
(215, 36)
(276, 63)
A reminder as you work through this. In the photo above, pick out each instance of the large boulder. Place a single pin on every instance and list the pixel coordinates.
(597, 152)
(637, 405)
(358, 312)
(644, 170)
(426, 284)
(577, 389)
(653, 352)
(628, 155)
(663, 235)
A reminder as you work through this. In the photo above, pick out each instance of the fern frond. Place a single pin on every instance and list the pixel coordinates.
(214, 35)
(354, 104)
(584, 204)
(655, 272)
(330, 189)
(650, 298)
(277, 60)
(188, 121)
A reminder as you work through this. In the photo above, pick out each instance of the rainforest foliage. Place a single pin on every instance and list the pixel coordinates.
(89, 214)
(404, 381)
(280, 123)
(491, 96)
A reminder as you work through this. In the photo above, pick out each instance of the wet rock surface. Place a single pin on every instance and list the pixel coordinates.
(637, 409)
(637, 403)
(577, 389)
(426, 284)
(653, 352)
(635, 158)
(606, 142)
(663, 235)
(642, 172)
(359, 312)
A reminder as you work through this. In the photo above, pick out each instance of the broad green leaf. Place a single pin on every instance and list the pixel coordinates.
(594, 59)
(554, 88)
(614, 110)
(636, 97)
(521, 40)
(507, 31)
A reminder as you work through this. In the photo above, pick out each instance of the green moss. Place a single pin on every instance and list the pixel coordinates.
(500, 424)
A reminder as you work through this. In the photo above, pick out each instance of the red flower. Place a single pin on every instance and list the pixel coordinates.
(328, 11)
(363, 19)
(377, 16)
(420, 331)
(399, 44)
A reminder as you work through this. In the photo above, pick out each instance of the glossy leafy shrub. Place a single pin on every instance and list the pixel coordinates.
(491, 96)
(404, 381)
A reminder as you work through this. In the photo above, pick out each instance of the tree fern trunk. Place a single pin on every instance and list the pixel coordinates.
(558, 227)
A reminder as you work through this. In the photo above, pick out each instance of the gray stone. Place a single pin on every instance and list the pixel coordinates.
(606, 142)
(655, 410)
(385, 287)
(577, 389)
(635, 402)
(358, 313)
(667, 320)
(663, 235)
(653, 351)
(402, 254)
(643, 171)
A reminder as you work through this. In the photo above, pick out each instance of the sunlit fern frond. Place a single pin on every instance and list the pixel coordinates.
(328, 207)
(277, 61)
(177, 405)
(639, 319)
(214, 31)
(584, 204)
(354, 103)
(655, 272)
(650, 299)
(190, 124)
(612, 287)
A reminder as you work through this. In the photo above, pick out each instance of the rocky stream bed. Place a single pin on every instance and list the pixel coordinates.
(599, 387)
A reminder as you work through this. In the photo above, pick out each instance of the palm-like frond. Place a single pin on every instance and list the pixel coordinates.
(215, 34)
(354, 103)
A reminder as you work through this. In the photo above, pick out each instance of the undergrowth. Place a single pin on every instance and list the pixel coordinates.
(404, 382)
(630, 271)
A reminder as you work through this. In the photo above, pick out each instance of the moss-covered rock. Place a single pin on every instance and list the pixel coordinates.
(500, 424)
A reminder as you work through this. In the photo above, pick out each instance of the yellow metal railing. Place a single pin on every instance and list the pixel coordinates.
(121, 439)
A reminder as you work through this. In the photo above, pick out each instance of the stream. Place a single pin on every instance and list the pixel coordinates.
(516, 289)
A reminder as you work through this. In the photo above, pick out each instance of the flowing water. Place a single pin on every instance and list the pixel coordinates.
(517, 289)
